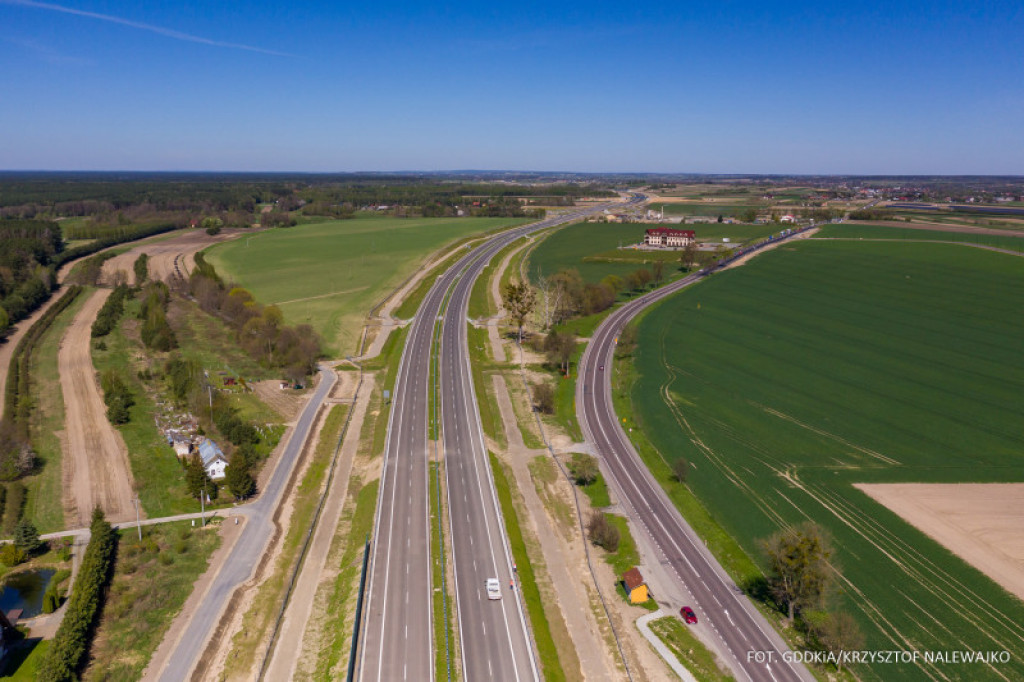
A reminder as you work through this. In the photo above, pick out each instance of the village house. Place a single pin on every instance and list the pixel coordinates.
(636, 588)
(182, 444)
(667, 236)
(214, 460)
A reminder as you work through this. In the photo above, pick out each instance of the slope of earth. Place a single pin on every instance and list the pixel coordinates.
(825, 364)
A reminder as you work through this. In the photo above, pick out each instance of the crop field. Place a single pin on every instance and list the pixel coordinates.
(824, 364)
(592, 248)
(857, 231)
(330, 274)
(707, 208)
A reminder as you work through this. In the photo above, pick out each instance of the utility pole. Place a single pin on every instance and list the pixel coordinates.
(138, 523)
(202, 506)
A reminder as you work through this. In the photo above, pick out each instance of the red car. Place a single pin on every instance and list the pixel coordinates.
(688, 615)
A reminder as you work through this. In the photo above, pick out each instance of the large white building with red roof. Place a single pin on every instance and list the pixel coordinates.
(667, 236)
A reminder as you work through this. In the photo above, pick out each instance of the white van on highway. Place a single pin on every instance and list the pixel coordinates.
(493, 588)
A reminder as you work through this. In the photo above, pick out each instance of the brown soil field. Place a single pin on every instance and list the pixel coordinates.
(178, 251)
(96, 468)
(982, 523)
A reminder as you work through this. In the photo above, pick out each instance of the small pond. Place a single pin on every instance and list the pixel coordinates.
(25, 590)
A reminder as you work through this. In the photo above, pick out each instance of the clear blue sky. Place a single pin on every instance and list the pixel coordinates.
(716, 87)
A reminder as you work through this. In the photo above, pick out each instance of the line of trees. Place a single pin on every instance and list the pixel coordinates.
(111, 312)
(259, 329)
(62, 661)
(156, 331)
(117, 397)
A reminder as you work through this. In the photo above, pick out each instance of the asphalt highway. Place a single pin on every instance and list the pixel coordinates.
(248, 549)
(747, 642)
(398, 634)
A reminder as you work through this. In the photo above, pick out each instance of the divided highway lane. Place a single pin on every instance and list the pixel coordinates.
(248, 549)
(398, 633)
(719, 602)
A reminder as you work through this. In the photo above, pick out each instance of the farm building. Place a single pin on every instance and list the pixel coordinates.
(214, 460)
(636, 588)
(667, 236)
(181, 444)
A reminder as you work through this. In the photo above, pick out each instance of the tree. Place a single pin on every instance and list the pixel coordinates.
(839, 632)
(603, 532)
(196, 477)
(584, 469)
(799, 572)
(212, 225)
(680, 469)
(644, 277)
(544, 397)
(658, 271)
(749, 215)
(141, 268)
(238, 479)
(689, 256)
(26, 537)
(518, 299)
(5, 323)
(559, 347)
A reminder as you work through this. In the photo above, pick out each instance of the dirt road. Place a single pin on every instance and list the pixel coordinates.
(96, 468)
(166, 256)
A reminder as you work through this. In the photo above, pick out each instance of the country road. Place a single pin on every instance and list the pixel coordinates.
(681, 567)
(248, 550)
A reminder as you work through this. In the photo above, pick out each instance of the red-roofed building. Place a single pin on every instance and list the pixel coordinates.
(667, 236)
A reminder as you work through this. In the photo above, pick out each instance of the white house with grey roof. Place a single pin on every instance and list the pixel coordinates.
(214, 460)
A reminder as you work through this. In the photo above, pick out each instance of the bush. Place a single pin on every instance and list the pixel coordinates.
(544, 397)
(11, 555)
(680, 469)
(14, 506)
(603, 532)
(584, 469)
(26, 537)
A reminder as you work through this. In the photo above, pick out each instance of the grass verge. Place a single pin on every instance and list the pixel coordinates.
(45, 489)
(152, 580)
(490, 419)
(271, 592)
(694, 656)
(332, 658)
(536, 606)
(446, 644)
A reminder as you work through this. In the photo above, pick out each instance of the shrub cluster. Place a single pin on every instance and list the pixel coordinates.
(260, 330)
(141, 267)
(156, 332)
(62, 660)
(603, 532)
(117, 397)
(227, 421)
(110, 313)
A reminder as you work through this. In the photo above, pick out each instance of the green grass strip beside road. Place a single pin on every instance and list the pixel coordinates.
(333, 658)
(694, 656)
(551, 668)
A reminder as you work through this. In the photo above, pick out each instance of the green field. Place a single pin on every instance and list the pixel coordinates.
(708, 208)
(855, 231)
(330, 274)
(824, 364)
(592, 248)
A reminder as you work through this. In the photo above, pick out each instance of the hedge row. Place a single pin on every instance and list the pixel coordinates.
(110, 313)
(69, 645)
(17, 402)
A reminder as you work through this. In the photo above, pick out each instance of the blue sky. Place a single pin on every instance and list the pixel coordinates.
(715, 87)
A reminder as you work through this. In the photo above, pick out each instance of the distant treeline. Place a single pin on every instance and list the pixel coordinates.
(31, 251)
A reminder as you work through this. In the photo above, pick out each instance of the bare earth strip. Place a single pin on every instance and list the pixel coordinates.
(164, 256)
(96, 468)
(314, 570)
(982, 523)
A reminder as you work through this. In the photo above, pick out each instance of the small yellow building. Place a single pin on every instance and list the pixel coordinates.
(636, 588)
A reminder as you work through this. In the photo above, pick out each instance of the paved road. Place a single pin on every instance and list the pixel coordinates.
(726, 616)
(398, 634)
(249, 548)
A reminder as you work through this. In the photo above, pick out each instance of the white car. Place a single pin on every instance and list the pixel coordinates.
(493, 588)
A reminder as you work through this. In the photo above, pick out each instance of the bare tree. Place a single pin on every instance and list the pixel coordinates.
(839, 632)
